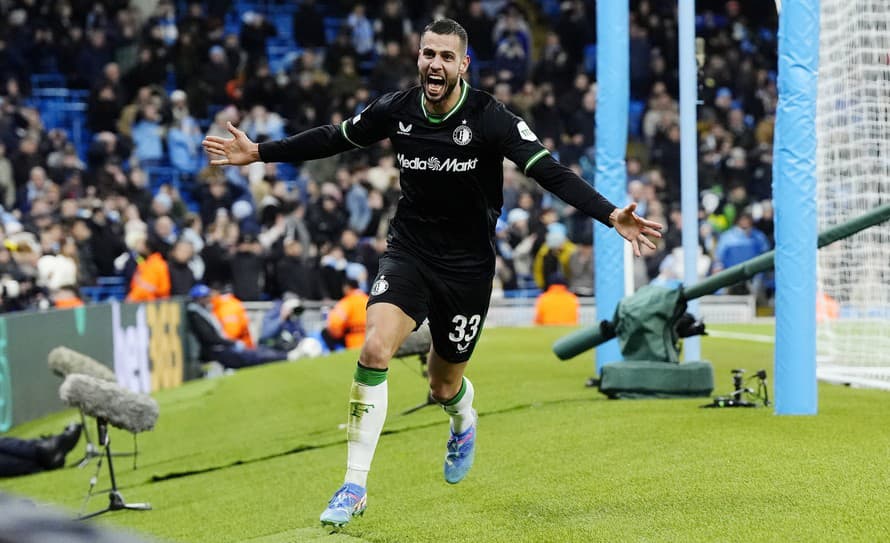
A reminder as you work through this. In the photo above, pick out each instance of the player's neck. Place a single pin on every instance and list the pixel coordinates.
(443, 107)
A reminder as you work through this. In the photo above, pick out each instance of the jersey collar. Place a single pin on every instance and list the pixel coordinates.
(439, 119)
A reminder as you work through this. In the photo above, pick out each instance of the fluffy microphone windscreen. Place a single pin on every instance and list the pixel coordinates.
(101, 399)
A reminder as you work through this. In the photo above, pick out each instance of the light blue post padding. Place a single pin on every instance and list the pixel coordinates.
(794, 195)
(613, 96)
(689, 161)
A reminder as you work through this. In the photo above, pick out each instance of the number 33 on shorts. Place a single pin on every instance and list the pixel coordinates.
(465, 331)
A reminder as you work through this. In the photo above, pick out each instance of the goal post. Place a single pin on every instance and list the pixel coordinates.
(853, 172)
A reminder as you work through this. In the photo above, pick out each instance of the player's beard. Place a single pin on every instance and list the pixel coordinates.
(450, 83)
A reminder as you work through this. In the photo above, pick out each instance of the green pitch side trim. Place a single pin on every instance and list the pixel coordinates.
(5, 382)
(369, 376)
(536, 157)
(343, 131)
(460, 395)
(438, 119)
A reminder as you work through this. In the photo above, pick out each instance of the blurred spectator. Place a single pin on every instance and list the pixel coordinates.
(740, 243)
(182, 279)
(151, 280)
(7, 181)
(308, 25)
(255, 30)
(362, 31)
(248, 268)
(345, 327)
(295, 273)
(282, 326)
(148, 136)
(553, 256)
(232, 316)
(82, 234)
(557, 305)
(480, 31)
(214, 344)
(66, 297)
(580, 270)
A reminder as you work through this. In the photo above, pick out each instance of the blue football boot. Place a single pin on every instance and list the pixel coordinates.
(349, 501)
(459, 454)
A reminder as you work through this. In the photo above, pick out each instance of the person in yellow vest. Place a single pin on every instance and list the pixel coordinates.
(230, 313)
(557, 304)
(151, 280)
(346, 322)
(553, 256)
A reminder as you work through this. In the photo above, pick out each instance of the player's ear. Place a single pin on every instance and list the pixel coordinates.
(464, 64)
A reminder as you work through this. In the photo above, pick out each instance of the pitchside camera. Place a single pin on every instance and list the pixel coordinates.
(743, 395)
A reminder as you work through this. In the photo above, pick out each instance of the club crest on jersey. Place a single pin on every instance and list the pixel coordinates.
(379, 287)
(462, 135)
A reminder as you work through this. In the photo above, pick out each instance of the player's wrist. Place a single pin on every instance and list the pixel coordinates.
(613, 216)
(254, 152)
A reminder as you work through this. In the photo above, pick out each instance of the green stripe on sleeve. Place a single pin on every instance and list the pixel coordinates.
(536, 157)
(343, 131)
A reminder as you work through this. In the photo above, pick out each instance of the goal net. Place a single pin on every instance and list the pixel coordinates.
(853, 171)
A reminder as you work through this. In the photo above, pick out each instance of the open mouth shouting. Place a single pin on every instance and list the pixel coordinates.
(435, 87)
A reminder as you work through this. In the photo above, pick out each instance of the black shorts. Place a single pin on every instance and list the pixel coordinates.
(456, 309)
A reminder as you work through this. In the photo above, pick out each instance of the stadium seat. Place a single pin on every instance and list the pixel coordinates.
(636, 108)
(590, 58)
(47, 80)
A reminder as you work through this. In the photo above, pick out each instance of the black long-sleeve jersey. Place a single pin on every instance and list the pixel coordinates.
(451, 172)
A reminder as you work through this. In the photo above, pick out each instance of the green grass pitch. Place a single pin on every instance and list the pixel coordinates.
(253, 457)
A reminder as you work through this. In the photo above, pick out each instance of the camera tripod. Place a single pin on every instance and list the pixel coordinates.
(115, 499)
(743, 395)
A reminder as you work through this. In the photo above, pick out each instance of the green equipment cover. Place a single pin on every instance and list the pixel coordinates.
(655, 379)
(645, 324)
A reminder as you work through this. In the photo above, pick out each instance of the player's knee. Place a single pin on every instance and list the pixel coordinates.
(376, 352)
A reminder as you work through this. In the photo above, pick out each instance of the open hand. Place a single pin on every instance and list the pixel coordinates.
(634, 228)
(237, 151)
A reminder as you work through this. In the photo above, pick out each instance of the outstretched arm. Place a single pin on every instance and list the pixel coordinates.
(319, 142)
(563, 182)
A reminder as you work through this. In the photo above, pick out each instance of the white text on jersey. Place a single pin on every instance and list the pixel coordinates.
(436, 165)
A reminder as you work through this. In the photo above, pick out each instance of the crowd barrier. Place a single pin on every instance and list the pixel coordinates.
(145, 344)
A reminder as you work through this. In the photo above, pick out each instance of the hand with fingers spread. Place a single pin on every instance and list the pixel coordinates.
(634, 228)
(237, 151)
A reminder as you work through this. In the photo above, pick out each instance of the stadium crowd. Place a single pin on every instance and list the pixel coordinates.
(128, 193)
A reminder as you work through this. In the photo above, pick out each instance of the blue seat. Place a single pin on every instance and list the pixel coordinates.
(636, 108)
(590, 58)
(44, 80)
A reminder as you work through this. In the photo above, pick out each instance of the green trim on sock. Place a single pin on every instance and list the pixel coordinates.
(460, 395)
(369, 376)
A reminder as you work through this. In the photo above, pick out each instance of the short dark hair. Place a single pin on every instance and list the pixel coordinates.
(448, 26)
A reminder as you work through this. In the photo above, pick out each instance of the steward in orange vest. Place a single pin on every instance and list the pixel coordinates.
(346, 321)
(557, 305)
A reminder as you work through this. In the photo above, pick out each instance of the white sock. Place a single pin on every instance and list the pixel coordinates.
(367, 413)
(460, 408)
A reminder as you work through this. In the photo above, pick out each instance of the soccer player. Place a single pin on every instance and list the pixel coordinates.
(450, 141)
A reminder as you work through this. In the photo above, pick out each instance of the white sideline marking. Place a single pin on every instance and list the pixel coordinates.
(759, 338)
